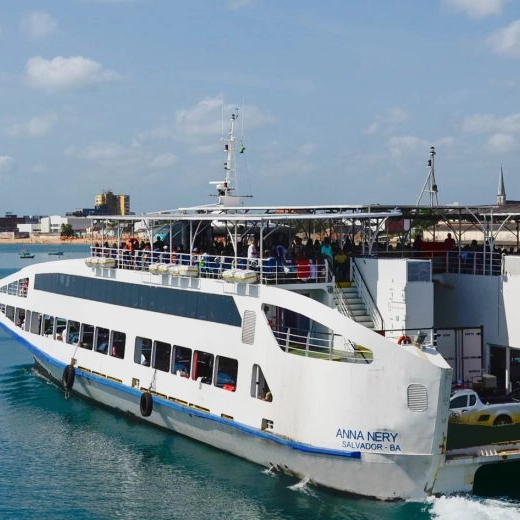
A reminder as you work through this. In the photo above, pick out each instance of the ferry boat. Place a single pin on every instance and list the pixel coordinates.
(265, 355)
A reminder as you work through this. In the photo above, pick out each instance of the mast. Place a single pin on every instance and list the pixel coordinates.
(430, 186)
(226, 187)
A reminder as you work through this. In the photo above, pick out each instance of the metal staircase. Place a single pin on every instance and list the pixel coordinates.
(348, 302)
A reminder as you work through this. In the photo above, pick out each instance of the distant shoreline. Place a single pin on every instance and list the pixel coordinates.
(45, 240)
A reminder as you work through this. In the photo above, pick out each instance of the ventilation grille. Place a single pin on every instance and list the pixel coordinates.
(248, 327)
(417, 398)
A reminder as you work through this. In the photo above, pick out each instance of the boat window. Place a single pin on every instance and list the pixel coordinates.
(118, 343)
(29, 316)
(73, 334)
(86, 336)
(259, 387)
(61, 329)
(36, 322)
(227, 370)
(420, 270)
(102, 337)
(19, 318)
(143, 351)
(203, 366)
(47, 325)
(218, 308)
(9, 312)
(23, 285)
(459, 401)
(161, 356)
(181, 364)
(32, 321)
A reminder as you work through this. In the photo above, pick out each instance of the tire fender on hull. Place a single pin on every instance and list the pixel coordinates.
(146, 404)
(67, 379)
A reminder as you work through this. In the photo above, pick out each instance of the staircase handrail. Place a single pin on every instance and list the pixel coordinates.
(341, 305)
(366, 296)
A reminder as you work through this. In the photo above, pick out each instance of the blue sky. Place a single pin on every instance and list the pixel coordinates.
(340, 100)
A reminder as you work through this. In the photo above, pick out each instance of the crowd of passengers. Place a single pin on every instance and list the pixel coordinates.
(307, 257)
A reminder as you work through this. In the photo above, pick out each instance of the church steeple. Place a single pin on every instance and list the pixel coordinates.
(501, 194)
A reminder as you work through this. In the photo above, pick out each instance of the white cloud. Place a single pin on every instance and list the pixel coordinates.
(488, 123)
(208, 116)
(506, 41)
(401, 146)
(202, 119)
(6, 163)
(164, 160)
(67, 73)
(445, 141)
(38, 24)
(477, 8)
(501, 143)
(37, 126)
(98, 151)
(387, 121)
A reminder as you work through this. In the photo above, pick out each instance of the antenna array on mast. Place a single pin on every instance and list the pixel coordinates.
(430, 186)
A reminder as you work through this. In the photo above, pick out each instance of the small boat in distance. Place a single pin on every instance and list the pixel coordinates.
(56, 253)
(25, 253)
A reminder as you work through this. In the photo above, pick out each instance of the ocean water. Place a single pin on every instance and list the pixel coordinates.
(69, 458)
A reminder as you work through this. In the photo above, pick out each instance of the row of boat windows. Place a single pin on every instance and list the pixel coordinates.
(17, 288)
(220, 371)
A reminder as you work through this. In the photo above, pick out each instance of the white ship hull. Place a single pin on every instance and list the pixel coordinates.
(390, 476)
(340, 418)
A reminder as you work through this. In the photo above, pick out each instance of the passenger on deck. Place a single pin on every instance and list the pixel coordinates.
(303, 267)
(165, 255)
(449, 242)
(341, 265)
(326, 251)
(253, 253)
(417, 245)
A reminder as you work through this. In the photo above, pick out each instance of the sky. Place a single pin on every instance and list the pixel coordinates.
(339, 101)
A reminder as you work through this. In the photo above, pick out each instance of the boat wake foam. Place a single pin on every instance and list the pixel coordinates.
(303, 486)
(473, 508)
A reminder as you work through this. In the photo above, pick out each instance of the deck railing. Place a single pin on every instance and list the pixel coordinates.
(320, 345)
(268, 270)
(454, 261)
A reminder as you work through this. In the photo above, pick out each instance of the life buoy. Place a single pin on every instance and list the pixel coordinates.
(67, 379)
(404, 340)
(146, 404)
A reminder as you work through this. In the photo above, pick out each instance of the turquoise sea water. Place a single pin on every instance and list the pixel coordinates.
(63, 459)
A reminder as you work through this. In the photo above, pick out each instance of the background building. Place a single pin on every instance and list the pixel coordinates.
(52, 224)
(109, 204)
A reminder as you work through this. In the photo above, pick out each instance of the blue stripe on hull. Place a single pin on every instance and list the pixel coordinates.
(191, 411)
